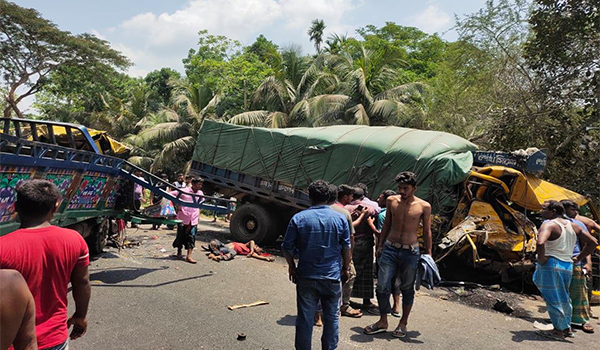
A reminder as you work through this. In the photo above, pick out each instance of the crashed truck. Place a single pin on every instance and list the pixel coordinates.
(89, 169)
(485, 204)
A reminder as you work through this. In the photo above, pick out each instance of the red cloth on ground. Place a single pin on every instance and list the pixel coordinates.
(240, 248)
(46, 257)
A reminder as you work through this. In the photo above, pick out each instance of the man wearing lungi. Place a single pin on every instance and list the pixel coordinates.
(362, 254)
(554, 267)
(579, 290)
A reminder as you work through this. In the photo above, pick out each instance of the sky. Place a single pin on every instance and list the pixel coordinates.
(159, 33)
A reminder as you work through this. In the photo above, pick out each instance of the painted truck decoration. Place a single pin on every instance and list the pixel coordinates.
(95, 185)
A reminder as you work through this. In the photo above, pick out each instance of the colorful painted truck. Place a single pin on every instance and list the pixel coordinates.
(95, 184)
(485, 203)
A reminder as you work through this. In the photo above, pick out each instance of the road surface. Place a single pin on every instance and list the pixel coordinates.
(143, 299)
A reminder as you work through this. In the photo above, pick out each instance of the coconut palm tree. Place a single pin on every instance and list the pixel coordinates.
(173, 131)
(277, 95)
(366, 94)
(353, 87)
(315, 32)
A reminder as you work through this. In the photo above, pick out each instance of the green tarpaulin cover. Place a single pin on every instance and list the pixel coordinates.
(340, 154)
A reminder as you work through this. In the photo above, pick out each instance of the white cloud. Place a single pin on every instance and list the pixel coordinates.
(432, 19)
(153, 41)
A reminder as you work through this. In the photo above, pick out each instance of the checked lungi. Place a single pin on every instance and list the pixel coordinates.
(579, 297)
(362, 257)
(553, 279)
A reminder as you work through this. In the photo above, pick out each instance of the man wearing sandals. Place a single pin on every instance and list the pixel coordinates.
(554, 268)
(335, 202)
(320, 237)
(398, 251)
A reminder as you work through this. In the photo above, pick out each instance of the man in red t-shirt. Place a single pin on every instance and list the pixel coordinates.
(48, 257)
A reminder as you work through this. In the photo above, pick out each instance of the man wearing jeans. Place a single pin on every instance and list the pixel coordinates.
(321, 239)
(398, 251)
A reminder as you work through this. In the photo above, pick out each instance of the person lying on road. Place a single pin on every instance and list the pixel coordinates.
(220, 251)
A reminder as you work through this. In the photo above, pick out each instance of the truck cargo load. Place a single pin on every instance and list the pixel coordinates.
(341, 154)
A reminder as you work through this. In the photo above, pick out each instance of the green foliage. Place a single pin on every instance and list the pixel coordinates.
(159, 82)
(212, 51)
(462, 93)
(563, 52)
(417, 52)
(33, 47)
(266, 51)
(220, 66)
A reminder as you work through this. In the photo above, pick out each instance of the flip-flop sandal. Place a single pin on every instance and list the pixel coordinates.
(551, 335)
(373, 329)
(356, 314)
(587, 328)
(371, 310)
(396, 314)
(399, 332)
(569, 335)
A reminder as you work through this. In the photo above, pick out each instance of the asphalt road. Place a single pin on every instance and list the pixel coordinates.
(143, 299)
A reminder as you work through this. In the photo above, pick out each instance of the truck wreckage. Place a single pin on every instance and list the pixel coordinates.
(494, 226)
(484, 203)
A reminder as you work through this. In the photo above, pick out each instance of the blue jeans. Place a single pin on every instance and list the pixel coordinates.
(308, 294)
(399, 263)
(63, 346)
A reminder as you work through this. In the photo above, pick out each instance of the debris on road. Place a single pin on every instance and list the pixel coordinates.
(241, 336)
(543, 326)
(502, 306)
(241, 306)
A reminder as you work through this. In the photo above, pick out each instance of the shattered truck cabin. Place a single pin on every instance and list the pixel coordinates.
(494, 226)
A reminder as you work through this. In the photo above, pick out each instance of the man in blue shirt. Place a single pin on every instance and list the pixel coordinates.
(320, 237)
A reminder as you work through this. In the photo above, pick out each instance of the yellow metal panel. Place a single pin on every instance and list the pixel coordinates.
(531, 192)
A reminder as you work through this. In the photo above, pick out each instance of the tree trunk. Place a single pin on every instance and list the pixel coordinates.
(245, 97)
(12, 105)
(7, 112)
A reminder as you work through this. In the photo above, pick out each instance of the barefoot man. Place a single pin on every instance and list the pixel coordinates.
(186, 231)
(398, 250)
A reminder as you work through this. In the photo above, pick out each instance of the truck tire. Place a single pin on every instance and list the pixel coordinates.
(252, 222)
(96, 241)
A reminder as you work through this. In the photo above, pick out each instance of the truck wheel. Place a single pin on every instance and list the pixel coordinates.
(252, 222)
(96, 241)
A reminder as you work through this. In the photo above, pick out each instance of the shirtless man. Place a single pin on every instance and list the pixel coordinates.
(398, 251)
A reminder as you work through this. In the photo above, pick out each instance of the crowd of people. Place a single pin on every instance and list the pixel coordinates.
(336, 241)
(338, 238)
(564, 246)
